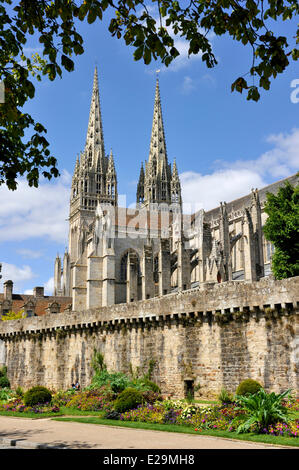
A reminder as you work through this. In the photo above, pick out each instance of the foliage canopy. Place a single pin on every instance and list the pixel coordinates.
(151, 29)
(282, 229)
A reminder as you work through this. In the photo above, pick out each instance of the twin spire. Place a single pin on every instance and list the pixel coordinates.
(158, 183)
(95, 136)
(94, 178)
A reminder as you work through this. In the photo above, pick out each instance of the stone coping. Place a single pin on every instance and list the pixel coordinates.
(230, 300)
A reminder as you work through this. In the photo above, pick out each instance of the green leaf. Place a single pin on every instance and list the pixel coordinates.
(67, 63)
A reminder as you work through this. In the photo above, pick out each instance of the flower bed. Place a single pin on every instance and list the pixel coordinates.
(221, 417)
(17, 405)
(290, 429)
(218, 417)
(86, 400)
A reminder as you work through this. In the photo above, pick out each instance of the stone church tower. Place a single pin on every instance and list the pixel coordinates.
(158, 184)
(119, 255)
(94, 181)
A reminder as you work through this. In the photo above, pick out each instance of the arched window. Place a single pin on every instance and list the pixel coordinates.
(89, 161)
(123, 267)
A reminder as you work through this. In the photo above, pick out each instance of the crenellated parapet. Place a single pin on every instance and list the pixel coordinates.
(231, 300)
(214, 337)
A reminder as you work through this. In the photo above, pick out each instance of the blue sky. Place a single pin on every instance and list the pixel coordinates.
(223, 144)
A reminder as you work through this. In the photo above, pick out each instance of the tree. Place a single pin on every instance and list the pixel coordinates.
(282, 229)
(13, 316)
(152, 35)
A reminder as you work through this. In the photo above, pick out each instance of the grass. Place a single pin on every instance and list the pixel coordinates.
(64, 411)
(207, 402)
(262, 438)
(28, 414)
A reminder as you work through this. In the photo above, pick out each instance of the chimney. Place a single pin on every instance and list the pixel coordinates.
(8, 287)
(38, 292)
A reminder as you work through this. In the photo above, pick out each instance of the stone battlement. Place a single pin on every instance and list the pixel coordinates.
(205, 301)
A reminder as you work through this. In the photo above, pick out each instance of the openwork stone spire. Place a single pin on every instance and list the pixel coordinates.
(155, 183)
(94, 180)
(158, 143)
(95, 138)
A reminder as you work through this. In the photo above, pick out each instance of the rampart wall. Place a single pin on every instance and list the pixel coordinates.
(215, 336)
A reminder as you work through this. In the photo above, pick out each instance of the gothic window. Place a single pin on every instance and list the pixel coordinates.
(89, 162)
(123, 268)
(175, 197)
(112, 190)
(85, 186)
(163, 191)
(98, 184)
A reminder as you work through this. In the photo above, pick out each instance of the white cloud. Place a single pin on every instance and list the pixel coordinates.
(206, 191)
(16, 274)
(188, 85)
(35, 212)
(49, 286)
(28, 292)
(235, 179)
(281, 160)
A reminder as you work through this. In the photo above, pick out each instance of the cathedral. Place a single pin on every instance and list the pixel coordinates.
(119, 255)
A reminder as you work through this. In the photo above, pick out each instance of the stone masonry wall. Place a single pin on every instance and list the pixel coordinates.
(216, 335)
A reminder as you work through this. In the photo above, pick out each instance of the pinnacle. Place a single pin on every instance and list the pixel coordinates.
(95, 138)
(158, 144)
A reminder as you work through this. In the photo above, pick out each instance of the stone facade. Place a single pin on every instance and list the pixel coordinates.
(119, 255)
(190, 292)
(212, 337)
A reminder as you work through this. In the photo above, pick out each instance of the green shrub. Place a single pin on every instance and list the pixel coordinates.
(144, 384)
(127, 400)
(151, 397)
(262, 409)
(5, 394)
(116, 380)
(19, 392)
(4, 382)
(150, 385)
(248, 387)
(3, 371)
(36, 395)
(225, 397)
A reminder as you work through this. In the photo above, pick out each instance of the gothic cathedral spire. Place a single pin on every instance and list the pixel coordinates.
(94, 180)
(95, 138)
(158, 184)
